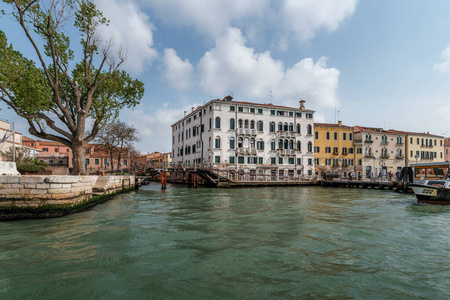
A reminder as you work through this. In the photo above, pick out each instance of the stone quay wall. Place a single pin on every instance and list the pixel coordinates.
(39, 190)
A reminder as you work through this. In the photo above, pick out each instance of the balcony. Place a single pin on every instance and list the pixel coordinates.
(399, 157)
(368, 141)
(384, 143)
(241, 151)
(246, 131)
(368, 156)
(252, 151)
(385, 156)
(335, 152)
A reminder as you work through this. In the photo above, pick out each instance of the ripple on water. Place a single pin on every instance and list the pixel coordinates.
(283, 243)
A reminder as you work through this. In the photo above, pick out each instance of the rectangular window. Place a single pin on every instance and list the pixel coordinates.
(231, 144)
(87, 161)
(350, 136)
(232, 108)
(328, 135)
(335, 135)
(87, 150)
(217, 159)
(260, 160)
(298, 114)
(231, 159)
(260, 111)
(316, 135)
(280, 113)
(412, 154)
(344, 150)
(310, 161)
(240, 109)
(291, 160)
(217, 143)
(359, 162)
(273, 160)
(96, 161)
(411, 141)
(125, 162)
(328, 162)
(335, 150)
(252, 110)
(350, 162)
(240, 160)
(280, 160)
(327, 149)
(45, 149)
(299, 161)
(316, 149)
(272, 112)
(344, 136)
(309, 116)
(291, 114)
(316, 161)
(105, 162)
(358, 150)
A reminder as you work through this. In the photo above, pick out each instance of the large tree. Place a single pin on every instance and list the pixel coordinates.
(117, 137)
(58, 95)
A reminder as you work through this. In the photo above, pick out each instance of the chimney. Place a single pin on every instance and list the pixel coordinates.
(302, 104)
(339, 123)
(192, 109)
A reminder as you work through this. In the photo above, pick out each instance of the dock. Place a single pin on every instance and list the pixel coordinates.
(382, 185)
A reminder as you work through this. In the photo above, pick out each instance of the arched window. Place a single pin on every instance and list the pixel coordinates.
(232, 143)
(246, 124)
(240, 142)
(299, 146)
(286, 144)
(217, 144)
(260, 126)
(246, 143)
(366, 151)
(272, 145)
(298, 128)
(252, 143)
(252, 124)
(260, 145)
(280, 126)
(280, 144)
(272, 127)
(291, 144)
(286, 127)
(291, 127)
(217, 122)
(240, 123)
(232, 126)
(309, 147)
(309, 129)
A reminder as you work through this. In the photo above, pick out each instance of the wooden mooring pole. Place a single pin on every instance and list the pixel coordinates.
(163, 181)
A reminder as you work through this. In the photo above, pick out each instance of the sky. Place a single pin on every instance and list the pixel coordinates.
(370, 63)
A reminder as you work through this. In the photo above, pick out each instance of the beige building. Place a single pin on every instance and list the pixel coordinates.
(7, 138)
(383, 151)
(423, 148)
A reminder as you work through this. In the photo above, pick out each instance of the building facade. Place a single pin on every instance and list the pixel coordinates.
(261, 139)
(424, 148)
(383, 151)
(334, 149)
(8, 138)
(446, 149)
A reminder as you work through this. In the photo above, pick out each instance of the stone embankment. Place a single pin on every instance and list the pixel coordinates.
(55, 195)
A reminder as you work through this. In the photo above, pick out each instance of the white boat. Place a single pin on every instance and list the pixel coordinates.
(432, 191)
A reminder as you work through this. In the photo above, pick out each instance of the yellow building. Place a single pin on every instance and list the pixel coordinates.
(424, 148)
(334, 149)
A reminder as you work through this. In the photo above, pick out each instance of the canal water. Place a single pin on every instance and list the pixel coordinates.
(250, 243)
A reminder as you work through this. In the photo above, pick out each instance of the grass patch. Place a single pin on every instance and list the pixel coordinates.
(11, 213)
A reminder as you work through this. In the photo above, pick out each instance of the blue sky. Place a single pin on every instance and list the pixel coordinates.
(379, 63)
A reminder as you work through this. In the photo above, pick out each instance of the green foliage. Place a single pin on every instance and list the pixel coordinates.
(31, 165)
(52, 85)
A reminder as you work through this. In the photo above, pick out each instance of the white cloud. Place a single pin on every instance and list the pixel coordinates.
(131, 29)
(177, 72)
(231, 66)
(444, 66)
(302, 18)
(306, 17)
(206, 16)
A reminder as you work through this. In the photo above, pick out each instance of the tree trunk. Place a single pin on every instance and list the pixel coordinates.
(79, 167)
(118, 160)
(112, 161)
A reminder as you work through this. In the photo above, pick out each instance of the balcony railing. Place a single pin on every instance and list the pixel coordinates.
(247, 131)
(384, 156)
(399, 157)
(368, 141)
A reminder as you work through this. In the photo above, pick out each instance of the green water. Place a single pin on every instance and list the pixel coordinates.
(264, 243)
